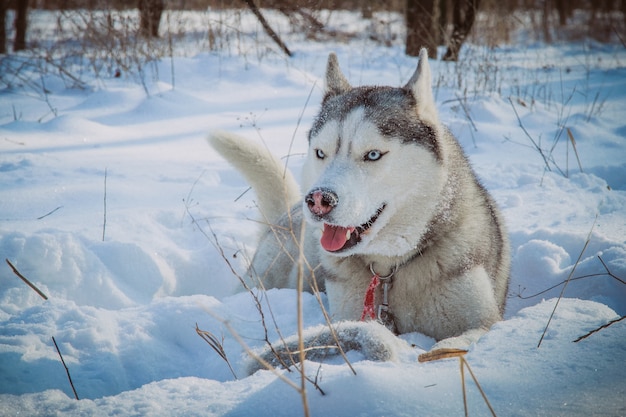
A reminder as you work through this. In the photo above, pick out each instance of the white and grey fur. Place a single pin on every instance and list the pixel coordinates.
(382, 169)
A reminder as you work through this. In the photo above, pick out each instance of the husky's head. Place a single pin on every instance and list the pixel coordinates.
(374, 170)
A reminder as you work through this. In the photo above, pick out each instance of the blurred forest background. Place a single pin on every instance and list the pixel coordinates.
(122, 37)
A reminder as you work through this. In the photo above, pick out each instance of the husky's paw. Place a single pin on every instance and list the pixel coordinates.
(462, 341)
(373, 340)
(452, 346)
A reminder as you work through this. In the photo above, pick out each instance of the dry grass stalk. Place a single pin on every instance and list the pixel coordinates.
(302, 353)
(573, 141)
(217, 345)
(464, 364)
(443, 353)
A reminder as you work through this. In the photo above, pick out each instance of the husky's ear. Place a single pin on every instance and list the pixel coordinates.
(336, 83)
(420, 85)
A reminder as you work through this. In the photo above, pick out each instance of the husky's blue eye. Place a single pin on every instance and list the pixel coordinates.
(320, 154)
(373, 155)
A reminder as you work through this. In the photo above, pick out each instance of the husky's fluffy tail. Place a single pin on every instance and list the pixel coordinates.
(373, 340)
(275, 187)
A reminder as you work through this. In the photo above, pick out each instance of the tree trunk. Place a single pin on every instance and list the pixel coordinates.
(150, 17)
(3, 33)
(464, 14)
(563, 7)
(367, 11)
(444, 9)
(19, 43)
(422, 29)
(545, 20)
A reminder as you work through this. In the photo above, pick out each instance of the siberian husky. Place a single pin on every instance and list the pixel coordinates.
(398, 230)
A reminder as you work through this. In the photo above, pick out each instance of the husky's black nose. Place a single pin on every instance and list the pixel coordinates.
(321, 201)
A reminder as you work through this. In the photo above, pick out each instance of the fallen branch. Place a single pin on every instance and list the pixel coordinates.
(267, 27)
(23, 278)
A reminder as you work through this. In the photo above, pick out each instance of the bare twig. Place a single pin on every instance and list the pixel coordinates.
(593, 106)
(104, 224)
(619, 36)
(11, 140)
(67, 371)
(528, 297)
(46, 98)
(293, 136)
(532, 140)
(23, 278)
(462, 102)
(49, 213)
(608, 272)
(604, 326)
(567, 281)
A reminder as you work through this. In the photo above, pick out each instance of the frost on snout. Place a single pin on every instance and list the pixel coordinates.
(321, 202)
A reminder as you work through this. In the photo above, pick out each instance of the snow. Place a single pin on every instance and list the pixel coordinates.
(125, 293)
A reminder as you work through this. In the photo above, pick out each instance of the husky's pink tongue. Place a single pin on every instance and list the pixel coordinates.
(335, 237)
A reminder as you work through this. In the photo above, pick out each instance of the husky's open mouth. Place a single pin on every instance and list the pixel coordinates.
(339, 238)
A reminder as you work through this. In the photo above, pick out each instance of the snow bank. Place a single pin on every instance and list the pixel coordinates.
(559, 378)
